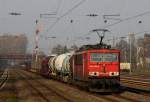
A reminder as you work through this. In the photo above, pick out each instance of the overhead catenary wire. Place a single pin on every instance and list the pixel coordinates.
(65, 14)
(128, 18)
(53, 13)
(135, 34)
(117, 38)
(123, 20)
(80, 37)
(58, 7)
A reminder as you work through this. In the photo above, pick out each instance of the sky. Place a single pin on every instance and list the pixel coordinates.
(65, 31)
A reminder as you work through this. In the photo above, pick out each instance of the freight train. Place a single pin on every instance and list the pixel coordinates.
(96, 67)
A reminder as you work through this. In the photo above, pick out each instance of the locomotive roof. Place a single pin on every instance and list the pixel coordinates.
(99, 50)
(105, 50)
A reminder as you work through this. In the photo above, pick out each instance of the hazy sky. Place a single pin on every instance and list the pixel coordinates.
(65, 31)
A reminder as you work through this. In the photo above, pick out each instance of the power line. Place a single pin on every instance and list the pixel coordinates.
(58, 7)
(126, 19)
(69, 11)
(138, 33)
(80, 37)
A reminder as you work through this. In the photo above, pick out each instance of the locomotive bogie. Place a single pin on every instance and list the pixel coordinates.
(104, 85)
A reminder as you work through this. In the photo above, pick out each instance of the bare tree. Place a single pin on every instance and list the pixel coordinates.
(74, 47)
(59, 49)
(123, 46)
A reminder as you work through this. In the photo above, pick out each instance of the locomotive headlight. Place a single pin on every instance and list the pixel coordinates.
(93, 73)
(113, 73)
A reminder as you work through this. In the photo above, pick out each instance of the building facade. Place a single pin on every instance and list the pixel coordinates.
(13, 44)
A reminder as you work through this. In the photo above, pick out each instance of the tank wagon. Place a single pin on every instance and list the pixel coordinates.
(60, 67)
(52, 68)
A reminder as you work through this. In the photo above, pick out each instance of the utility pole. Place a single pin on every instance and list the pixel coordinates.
(130, 55)
(113, 41)
(50, 37)
(46, 16)
(131, 35)
(123, 48)
(36, 41)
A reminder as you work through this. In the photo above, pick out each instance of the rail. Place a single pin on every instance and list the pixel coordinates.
(24, 75)
(3, 79)
(136, 85)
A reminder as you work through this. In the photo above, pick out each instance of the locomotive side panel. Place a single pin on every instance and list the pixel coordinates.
(78, 67)
(85, 66)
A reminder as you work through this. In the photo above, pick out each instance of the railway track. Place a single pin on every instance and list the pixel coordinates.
(1, 73)
(138, 79)
(139, 84)
(136, 82)
(53, 95)
(3, 79)
(99, 98)
(135, 75)
(95, 97)
(123, 97)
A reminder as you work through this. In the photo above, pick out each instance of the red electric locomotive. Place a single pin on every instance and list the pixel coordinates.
(97, 66)
(98, 69)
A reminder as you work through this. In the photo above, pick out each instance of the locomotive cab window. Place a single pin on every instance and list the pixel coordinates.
(104, 57)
